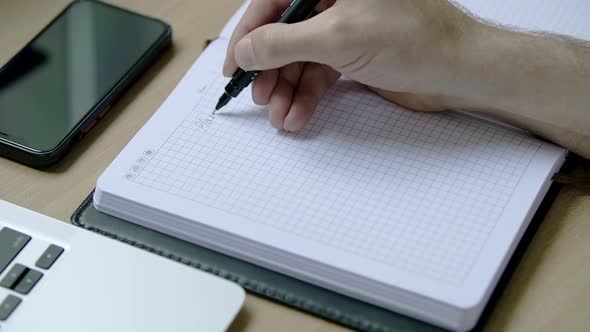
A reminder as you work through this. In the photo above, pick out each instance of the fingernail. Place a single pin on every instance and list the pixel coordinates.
(289, 123)
(224, 71)
(245, 53)
(286, 126)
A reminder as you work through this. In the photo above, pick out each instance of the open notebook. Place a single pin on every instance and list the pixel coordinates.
(414, 212)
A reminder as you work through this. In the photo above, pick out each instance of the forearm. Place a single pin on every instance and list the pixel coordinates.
(538, 82)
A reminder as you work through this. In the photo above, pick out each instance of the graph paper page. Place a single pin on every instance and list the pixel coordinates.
(366, 185)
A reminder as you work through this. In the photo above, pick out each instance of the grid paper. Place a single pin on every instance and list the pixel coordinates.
(415, 191)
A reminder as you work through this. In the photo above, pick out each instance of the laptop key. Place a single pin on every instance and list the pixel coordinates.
(49, 256)
(13, 276)
(28, 282)
(8, 305)
(11, 243)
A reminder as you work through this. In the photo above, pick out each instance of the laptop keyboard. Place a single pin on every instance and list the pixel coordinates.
(20, 278)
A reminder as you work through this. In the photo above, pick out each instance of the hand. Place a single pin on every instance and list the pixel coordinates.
(409, 51)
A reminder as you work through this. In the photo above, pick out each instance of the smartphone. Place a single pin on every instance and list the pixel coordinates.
(54, 90)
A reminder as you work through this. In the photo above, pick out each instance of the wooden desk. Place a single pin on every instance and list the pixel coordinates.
(549, 291)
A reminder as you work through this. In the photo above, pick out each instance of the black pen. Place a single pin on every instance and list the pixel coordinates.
(298, 11)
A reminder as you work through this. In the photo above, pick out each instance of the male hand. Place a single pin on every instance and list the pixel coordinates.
(409, 51)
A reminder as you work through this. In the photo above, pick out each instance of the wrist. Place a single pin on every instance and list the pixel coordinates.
(461, 63)
(466, 61)
(492, 66)
(496, 66)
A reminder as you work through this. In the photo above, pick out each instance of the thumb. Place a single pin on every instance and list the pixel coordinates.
(276, 45)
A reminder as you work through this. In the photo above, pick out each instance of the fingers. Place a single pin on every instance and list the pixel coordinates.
(263, 86)
(293, 93)
(258, 13)
(276, 45)
(282, 95)
(280, 103)
(315, 81)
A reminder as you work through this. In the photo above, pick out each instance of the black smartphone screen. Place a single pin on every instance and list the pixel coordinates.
(47, 88)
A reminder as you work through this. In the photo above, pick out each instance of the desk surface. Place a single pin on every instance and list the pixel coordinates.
(549, 291)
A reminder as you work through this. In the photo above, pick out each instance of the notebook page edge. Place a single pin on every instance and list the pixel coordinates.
(523, 206)
(393, 298)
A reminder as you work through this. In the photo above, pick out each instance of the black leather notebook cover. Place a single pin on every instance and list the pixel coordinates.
(278, 287)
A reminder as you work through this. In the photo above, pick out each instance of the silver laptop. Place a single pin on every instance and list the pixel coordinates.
(56, 277)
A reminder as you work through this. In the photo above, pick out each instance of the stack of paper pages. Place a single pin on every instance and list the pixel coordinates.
(414, 212)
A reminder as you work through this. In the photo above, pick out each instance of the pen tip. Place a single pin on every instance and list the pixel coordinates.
(223, 100)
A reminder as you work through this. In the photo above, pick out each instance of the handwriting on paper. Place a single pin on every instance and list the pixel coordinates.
(205, 123)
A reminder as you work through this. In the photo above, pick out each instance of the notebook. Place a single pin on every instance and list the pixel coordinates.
(414, 212)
